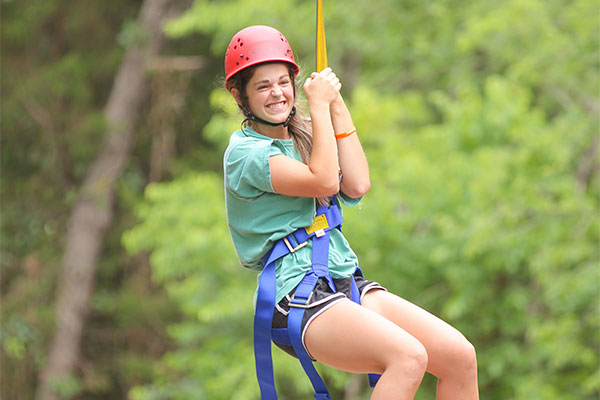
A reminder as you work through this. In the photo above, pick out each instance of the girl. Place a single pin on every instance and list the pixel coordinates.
(278, 167)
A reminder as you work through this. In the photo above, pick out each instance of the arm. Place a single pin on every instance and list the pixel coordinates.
(320, 177)
(353, 163)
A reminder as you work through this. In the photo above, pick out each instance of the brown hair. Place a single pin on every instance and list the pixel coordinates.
(299, 127)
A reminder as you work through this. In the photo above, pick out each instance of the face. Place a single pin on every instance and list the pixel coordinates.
(270, 92)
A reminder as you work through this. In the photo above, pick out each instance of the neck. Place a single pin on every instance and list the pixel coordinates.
(275, 132)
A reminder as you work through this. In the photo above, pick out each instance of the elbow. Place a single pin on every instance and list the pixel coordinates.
(330, 188)
(357, 190)
(325, 184)
(364, 188)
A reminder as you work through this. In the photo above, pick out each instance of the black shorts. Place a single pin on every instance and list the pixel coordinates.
(321, 300)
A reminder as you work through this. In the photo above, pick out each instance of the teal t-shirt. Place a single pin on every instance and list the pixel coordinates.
(258, 217)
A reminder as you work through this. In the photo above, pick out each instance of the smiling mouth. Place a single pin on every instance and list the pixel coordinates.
(277, 106)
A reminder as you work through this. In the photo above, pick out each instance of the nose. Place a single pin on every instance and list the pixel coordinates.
(276, 90)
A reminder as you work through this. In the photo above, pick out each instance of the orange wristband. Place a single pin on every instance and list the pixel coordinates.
(345, 134)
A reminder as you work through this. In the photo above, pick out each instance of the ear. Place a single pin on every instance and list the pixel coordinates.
(236, 95)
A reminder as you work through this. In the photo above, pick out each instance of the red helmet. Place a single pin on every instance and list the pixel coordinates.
(254, 45)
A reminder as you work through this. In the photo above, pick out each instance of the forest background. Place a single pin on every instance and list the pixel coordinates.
(118, 277)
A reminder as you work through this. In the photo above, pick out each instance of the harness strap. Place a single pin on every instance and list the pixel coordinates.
(298, 304)
(355, 297)
(265, 302)
(262, 333)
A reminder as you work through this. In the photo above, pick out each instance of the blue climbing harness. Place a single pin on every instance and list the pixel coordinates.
(327, 218)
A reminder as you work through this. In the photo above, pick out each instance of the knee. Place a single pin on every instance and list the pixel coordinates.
(464, 357)
(409, 361)
(418, 360)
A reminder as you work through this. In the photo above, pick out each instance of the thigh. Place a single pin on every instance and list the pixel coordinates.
(444, 343)
(355, 339)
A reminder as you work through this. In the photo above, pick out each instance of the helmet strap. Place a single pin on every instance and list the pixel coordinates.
(254, 118)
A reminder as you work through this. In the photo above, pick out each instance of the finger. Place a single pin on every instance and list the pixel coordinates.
(325, 72)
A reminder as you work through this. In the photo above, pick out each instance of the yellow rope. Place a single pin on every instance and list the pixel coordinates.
(321, 43)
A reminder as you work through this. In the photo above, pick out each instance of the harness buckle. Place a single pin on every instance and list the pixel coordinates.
(300, 305)
(293, 249)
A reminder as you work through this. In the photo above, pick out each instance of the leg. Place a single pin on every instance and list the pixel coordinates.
(450, 355)
(352, 338)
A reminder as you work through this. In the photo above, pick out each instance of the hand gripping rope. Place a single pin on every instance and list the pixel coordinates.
(331, 218)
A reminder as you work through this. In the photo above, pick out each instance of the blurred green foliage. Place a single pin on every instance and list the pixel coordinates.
(480, 121)
(477, 120)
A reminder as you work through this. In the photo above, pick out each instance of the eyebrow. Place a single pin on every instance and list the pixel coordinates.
(267, 80)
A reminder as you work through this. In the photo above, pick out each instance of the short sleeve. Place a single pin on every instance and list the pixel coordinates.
(247, 169)
(348, 201)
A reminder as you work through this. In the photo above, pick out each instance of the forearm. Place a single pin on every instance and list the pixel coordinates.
(340, 116)
(352, 159)
(324, 158)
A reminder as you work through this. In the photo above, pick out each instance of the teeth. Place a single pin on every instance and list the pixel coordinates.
(277, 106)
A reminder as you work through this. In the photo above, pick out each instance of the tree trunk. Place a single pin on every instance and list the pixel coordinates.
(93, 213)
(170, 77)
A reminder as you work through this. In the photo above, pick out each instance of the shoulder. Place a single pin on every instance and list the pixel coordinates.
(242, 146)
(246, 164)
(239, 144)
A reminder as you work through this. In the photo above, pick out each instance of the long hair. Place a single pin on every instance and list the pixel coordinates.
(300, 128)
